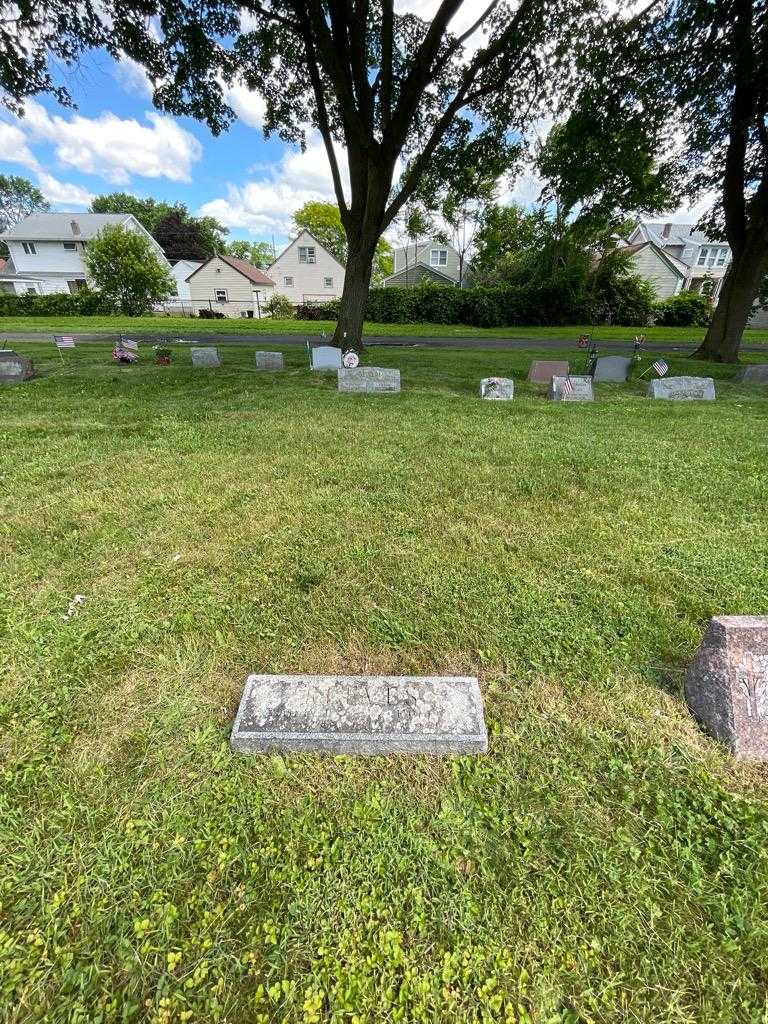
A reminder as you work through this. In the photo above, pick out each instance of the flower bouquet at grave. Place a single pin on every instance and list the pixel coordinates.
(162, 355)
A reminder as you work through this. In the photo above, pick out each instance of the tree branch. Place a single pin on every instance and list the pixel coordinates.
(257, 8)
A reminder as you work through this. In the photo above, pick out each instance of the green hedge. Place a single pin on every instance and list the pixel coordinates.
(82, 303)
(688, 309)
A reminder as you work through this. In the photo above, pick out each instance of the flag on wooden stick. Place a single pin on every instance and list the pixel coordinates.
(660, 367)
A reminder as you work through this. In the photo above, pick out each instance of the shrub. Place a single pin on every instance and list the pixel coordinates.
(211, 314)
(82, 303)
(319, 310)
(279, 307)
(125, 267)
(688, 309)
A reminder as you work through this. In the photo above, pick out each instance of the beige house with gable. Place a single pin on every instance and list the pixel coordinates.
(230, 286)
(306, 272)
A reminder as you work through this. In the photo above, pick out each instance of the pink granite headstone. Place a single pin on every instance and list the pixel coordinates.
(726, 685)
(543, 370)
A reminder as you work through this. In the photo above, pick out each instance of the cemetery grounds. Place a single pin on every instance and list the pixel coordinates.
(604, 862)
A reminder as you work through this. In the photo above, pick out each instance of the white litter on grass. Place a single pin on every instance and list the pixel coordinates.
(74, 604)
(177, 558)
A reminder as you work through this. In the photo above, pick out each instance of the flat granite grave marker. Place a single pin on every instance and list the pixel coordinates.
(206, 357)
(683, 389)
(499, 389)
(368, 380)
(270, 361)
(581, 389)
(755, 374)
(325, 357)
(361, 715)
(726, 685)
(15, 368)
(611, 370)
(543, 370)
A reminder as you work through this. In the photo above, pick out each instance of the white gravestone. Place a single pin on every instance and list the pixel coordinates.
(361, 715)
(581, 389)
(683, 389)
(369, 380)
(757, 373)
(611, 370)
(325, 357)
(499, 389)
(205, 357)
(270, 361)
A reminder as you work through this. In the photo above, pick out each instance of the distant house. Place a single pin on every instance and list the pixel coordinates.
(677, 257)
(230, 286)
(46, 250)
(181, 270)
(430, 260)
(306, 272)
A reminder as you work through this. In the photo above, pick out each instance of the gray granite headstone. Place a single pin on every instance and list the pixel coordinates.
(726, 685)
(757, 373)
(369, 380)
(581, 389)
(15, 368)
(205, 357)
(500, 389)
(325, 357)
(361, 715)
(683, 389)
(543, 370)
(611, 370)
(270, 361)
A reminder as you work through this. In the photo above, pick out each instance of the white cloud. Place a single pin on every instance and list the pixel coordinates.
(132, 77)
(249, 106)
(116, 148)
(63, 193)
(14, 148)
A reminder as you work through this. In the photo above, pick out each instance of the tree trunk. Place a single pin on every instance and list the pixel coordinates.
(737, 295)
(357, 281)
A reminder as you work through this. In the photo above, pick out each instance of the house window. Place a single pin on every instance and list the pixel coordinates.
(328, 282)
(29, 248)
(288, 282)
(306, 254)
(438, 258)
(70, 246)
(712, 256)
(221, 294)
(721, 258)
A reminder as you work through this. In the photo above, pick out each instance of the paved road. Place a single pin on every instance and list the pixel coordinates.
(517, 342)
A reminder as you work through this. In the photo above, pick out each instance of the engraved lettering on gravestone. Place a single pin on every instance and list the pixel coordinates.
(205, 357)
(754, 685)
(15, 368)
(500, 389)
(683, 389)
(368, 380)
(270, 361)
(580, 389)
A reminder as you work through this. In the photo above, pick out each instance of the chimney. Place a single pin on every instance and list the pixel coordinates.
(75, 227)
(667, 231)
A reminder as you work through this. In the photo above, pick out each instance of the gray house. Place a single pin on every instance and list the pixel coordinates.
(430, 260)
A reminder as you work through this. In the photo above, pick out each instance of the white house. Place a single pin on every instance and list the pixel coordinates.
(677, 257)
(46, 250)
(230, 286)
(306, 272)
(429, 260)
(181, 271)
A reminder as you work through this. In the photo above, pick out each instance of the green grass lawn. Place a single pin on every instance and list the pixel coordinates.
(604, 862)
(176, 325)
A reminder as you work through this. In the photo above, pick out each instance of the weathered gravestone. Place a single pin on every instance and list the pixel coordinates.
(15, 368)
(580, 389)
(270, 361)
(325, 357)
(726, 685)
(368, 380)
(683, 389)
(205, 357)
(755, 374)
(543, 370)
(611, 370)
(361, 715)
(500, 389)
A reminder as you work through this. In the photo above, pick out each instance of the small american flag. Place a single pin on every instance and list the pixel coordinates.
(130, 346)
(567, 388)
(660, 367)
(64, 341)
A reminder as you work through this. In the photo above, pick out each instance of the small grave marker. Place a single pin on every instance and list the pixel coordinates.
(206, 357)
(726, 685)
(361, 715)
(580, 389)
(351, 360)
(611, 370)
(325, 357)
(683, 389)
(757, 373)
(500, 389)
(15, 368)
(368, 380)
(543, 370)
(270, 361)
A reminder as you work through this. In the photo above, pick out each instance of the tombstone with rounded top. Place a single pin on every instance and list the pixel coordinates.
(206, 357)
(683, 389)
(726, 686)
(543, 370)
(499, 389)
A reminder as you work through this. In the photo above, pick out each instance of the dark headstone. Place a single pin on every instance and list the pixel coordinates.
(543, 370)
(611, 370)
(726, 685)
(757, 373)
(15, 368)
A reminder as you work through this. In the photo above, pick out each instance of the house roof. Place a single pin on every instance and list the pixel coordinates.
(421, 265)
(315, 240)
(243, 267)
(423, 243)
(63, 227)
(674, 264)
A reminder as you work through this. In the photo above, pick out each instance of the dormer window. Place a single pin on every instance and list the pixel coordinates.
(70, 246)
(712, 256)
(29, 248)
(438, 258)
(306, 254)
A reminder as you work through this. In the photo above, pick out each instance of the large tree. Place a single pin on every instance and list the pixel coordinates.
(181, 236)
(18, 198)
(126, 270)
(383, 89)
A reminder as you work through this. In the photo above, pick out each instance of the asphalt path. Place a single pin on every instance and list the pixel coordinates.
(405, 341)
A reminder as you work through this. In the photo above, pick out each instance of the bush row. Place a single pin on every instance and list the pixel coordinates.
(82, 303)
